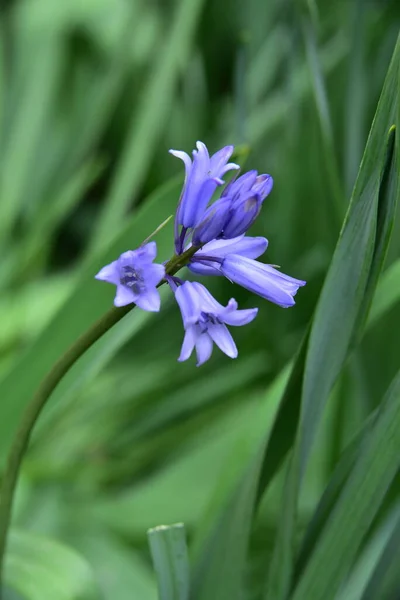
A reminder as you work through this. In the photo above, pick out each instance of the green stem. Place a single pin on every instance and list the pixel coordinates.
(44, 391)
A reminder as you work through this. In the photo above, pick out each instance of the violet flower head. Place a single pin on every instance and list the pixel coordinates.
(247, 193)
(213, 222)
(263, 280)
(203, 175)
(136, 277)
(205, 320)
(236, 210)
(208, 260)
(249, 182)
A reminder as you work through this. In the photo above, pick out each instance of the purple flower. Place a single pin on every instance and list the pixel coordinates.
(236, 210)
(261, 279)
(247, 194)
(205, 320)
(212, 223)
(136, 277)
(203, 175)
(207, 261)
(250, 181)
(244, 211)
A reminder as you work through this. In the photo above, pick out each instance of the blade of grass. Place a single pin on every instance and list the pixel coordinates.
(359, 502)
(345, 296)
(149, 121)
(169, 553)
(321, 101)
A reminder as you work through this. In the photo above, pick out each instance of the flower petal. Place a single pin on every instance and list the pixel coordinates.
(154, 274)
(188, 301)
(205, 268)
(109, 273)
(240, 317)
(212, 223)
(220, 158)
(147, 252)
(261, 279)
(185, 157)
(188, 344)
(204, 347)
(243, 213)
(251, 247)
(263, 185)
(221, 336)
(149, 300)
(124, 296)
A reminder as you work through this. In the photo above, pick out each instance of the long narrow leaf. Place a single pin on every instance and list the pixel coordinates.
(362, 496)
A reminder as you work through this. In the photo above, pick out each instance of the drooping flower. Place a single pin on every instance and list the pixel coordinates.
(261, 279)
(203, 175)
(207, 260)
(205, 320)
(136, 277)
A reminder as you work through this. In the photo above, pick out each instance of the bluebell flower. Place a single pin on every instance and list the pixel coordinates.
(203, 175)
(247, 193)
(250, 181)
(261, 279)
(213, 222)
(136, 277)
(207, 260)
(205, 320)
(236, 210)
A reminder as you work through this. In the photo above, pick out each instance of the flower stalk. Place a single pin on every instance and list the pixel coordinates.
(43, 393)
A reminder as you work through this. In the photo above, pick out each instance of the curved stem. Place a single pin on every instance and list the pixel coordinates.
(44, 391)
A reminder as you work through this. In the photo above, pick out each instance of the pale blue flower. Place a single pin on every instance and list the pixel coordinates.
(203, 175)
(207, 261)
(263, 280)
(205, 320)
(136, 277)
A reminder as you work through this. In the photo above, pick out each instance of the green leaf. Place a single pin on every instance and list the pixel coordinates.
(344, 300)
(387, 294)
(169, 553)
(332, 492)
(41, 569)
(385, 579)
(375, 469)
(321, 100)
(220, 564)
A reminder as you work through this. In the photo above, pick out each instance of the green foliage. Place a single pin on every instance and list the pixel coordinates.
(283, 464)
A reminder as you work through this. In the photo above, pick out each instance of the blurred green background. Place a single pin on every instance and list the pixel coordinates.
(93, 94)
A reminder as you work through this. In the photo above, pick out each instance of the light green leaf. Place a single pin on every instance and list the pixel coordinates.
(387, 293)
(220, 564)
(375, 469)
(341, 309)
(41, 569)
(169, 552)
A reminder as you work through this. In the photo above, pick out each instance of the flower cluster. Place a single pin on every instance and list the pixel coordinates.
(216, 234)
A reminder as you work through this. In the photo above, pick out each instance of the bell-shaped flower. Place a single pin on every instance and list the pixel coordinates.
(249, 182)
(212, 223)
(207, 260)
(205, 320)
(203, 175)
(244, 211)
(263, 280)
(136, 277)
